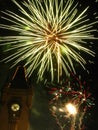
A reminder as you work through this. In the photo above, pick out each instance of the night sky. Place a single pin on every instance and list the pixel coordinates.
(41, 118)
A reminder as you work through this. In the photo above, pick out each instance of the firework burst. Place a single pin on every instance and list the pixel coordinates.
(70, 102)
(49, 36)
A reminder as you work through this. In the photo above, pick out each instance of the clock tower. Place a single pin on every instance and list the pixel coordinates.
(16, 101)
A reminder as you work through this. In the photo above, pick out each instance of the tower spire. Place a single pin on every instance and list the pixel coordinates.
(19, 80)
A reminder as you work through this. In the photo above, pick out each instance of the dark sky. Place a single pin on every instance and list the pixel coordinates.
(41, 118)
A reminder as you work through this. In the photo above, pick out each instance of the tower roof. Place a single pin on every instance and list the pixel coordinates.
(19, 80)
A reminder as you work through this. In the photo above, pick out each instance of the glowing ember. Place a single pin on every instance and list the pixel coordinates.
(71, 109)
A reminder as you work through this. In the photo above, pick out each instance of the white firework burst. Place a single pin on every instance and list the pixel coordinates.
(50, 35)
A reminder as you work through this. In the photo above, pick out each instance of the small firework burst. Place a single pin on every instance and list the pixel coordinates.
(69, 103)
(49, 36)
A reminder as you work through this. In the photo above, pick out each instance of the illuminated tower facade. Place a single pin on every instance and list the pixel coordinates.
(16, 101)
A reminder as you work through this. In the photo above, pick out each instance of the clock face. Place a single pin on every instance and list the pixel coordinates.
(15, 107)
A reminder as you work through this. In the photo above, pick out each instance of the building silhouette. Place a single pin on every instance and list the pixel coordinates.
(16, 102)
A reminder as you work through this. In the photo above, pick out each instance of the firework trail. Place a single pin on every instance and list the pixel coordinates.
(47, 36)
